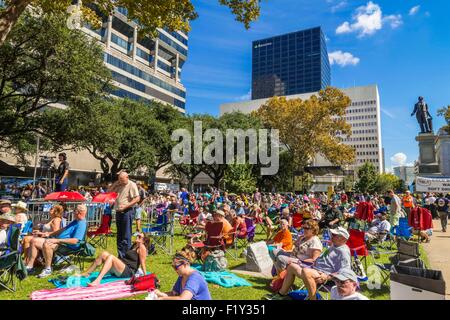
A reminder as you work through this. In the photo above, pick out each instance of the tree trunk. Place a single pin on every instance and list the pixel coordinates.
(10, 16)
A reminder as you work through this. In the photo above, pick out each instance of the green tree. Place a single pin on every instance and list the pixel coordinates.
(367, 178)
(120, 133)
(387, 181)
(45, 63)
(445, 112)
(310, 127)
(150, 14)
(239, 178)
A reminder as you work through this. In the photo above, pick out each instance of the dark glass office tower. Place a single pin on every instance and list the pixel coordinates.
(289, 64)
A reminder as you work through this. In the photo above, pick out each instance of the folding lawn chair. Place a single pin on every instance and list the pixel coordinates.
(403, 230)
(297, 222)
(357, 245)
(188, 222)
(213, 237)
(161, 232)
(243, 240)
(67, 255)
(99, 237)
(11, 264)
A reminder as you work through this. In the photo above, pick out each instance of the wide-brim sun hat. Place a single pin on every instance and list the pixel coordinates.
(8, 217)
(20, 205)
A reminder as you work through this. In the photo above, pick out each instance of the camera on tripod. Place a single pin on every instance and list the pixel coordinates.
(46, 162)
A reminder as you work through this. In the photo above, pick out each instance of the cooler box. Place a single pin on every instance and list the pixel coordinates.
(409, 283)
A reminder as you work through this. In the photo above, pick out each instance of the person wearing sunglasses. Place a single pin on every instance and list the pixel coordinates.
(190, 284)
(307, 248)
(346, 286)
(125, 267)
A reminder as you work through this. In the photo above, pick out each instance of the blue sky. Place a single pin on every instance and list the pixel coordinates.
(403, 46)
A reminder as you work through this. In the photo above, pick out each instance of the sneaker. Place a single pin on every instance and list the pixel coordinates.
(30, 271)
(45, 273)
(276, 296)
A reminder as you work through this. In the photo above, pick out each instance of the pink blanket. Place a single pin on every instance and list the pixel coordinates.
(107, 291)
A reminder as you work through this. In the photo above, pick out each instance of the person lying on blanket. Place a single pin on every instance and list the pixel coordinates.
(125, 267)
(190, 284)
(48, 242)
(333, 260)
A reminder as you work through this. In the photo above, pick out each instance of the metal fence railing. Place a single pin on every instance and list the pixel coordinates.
(39, 212)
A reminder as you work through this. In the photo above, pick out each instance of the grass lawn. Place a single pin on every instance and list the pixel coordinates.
(160, 264)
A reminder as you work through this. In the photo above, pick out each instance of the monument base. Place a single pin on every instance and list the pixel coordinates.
(427, 164)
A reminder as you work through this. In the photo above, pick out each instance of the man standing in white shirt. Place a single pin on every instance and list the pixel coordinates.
(346, 286)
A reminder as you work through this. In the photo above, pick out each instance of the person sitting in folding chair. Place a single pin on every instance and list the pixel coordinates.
(125, 267)
(379, 229)
(48, 242)
(336, 258)
(55, 223)
(346, 286)
(6, 220)
(307, 248)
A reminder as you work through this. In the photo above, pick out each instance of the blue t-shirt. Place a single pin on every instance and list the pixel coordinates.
(75, 229)
(195, 284)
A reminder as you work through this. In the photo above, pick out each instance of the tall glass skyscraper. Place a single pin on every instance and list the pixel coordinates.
(290, 64)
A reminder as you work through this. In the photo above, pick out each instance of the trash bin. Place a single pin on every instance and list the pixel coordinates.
(409, 283)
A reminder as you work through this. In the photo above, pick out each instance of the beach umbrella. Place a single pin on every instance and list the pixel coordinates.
(64, 196)
(105, 197)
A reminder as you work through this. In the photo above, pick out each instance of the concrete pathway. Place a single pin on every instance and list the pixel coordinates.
(438, 252)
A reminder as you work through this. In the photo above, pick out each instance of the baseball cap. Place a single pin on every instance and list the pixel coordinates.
(340, 232)
(346, 274)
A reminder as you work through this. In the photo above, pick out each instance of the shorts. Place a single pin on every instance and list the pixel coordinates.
(138, 213)
(127, 272)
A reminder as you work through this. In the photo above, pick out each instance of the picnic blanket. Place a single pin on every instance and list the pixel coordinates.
(107, 291)
(77, 281)
(222, 278)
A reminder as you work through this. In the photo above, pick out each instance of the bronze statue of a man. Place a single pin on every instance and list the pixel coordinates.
(423, 116)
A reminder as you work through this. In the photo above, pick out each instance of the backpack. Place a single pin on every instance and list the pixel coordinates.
(144, 283)
(215, 261)
(88, 250)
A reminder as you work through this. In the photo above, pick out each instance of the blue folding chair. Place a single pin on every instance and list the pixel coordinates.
(161, 232)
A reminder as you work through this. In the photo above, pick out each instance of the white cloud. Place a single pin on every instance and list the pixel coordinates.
(394, 21)
(343, 58)
(414, 10)
(246, 96)
(338, 6)
(399, 159)
(389, 114)
(369, 19)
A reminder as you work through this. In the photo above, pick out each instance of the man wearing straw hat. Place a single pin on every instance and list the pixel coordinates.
(20, 210)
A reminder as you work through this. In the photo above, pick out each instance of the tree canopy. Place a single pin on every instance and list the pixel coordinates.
(310, 127)
(44, 63)
(150, 14)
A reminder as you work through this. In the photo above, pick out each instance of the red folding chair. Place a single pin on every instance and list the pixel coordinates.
(99, 237)
(189, 222)
(213, 237)
(357, 245)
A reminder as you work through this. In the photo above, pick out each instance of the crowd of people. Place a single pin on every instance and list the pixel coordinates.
(296, 252)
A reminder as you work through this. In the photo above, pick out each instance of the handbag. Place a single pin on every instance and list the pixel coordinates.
(144, 283)
(277, 282)
(88, 250)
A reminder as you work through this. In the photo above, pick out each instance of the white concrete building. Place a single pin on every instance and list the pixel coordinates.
(363, 115)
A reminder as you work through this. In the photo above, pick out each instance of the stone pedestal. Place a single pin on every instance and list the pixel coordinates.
(427, 154)
(443, 152)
